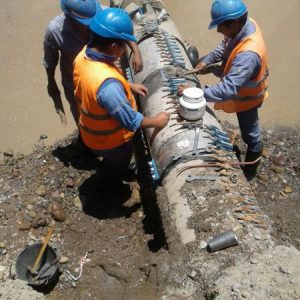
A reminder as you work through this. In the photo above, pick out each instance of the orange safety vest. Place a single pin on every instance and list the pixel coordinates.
(254, 92)
(98, 129)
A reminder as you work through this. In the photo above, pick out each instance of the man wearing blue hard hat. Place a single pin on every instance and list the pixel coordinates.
(244, 70)
(108, 113)
(65, 37)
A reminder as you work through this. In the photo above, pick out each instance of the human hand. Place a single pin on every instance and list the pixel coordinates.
(162, 119)
(138, 88)
(137, 63)
(53, 90)
(181, 88)
(200, 66)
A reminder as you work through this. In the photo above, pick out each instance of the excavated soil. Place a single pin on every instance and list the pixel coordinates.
(120, 228)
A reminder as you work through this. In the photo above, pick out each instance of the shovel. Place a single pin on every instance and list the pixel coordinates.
(33, 269)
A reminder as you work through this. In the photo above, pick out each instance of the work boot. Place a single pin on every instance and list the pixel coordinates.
(250, 170)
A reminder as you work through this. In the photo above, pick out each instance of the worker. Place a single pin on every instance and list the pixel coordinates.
(66, 35)
(108, 116)
(243, 85)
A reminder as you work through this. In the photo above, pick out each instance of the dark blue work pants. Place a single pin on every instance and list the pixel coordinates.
(250, 130)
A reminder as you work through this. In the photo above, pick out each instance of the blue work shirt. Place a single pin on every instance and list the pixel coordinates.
(245, 66)
(112, 96)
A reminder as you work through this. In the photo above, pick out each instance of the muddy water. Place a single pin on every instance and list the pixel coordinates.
(26, 111)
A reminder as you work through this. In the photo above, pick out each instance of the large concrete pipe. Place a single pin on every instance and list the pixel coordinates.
(183, 141)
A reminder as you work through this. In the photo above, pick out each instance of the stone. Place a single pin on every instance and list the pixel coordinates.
(235, 287)
(278, 160)
(257, 234)
(284, 270)
(193, 274)
(41, 191)
(203, 245)
(288, 190)
(2, 245)
(70, 182)
(39, 221)
(277, 170)
(64, 260)
(43, 137)
(8, 153)
(25, 226)
(55, 194)
(263, 177)
(77, 203)
(52, 168)
(32, 214)
(253, 261)
(266, 152)
(57, 211)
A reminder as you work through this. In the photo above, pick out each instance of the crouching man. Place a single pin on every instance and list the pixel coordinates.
(108, 117)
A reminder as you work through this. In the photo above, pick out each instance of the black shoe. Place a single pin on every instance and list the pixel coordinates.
(251, 170)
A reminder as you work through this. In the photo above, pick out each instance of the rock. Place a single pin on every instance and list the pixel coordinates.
(64, 260)
(288, 190)
(284, 270)
(52, 168)
(74, 285)
(235, 288)
(278, 160)
(193, 274)
(39, 221)
(257, 234)
(68, 222)
(43, 137)
(266, 152)
(8, 153)
(2, 245)
(41, 191)
(55, 194)
(57, 211)
(203, 245)
(70, 182)
(77, 203)
(24, 226)
(32, 214)
(277, 170)
(1, 277)
(253, 261)
(263, 177)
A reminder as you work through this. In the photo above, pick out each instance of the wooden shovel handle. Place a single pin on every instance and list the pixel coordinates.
(41, 252)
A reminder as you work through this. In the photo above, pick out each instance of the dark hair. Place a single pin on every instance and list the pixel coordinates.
(241, 20)
(102, 43)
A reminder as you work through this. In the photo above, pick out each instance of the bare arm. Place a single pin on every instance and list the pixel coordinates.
(159, 121)
(137, 61)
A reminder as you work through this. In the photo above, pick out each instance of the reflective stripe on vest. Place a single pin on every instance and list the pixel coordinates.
(254, 92)
(98, 129)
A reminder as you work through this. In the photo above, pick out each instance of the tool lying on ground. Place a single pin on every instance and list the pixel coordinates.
(33, 269)
(223, 165)
(60, 109)
(191, 178)
(252, 218)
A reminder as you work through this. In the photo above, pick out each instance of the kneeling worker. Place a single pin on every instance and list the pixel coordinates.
(108, 116)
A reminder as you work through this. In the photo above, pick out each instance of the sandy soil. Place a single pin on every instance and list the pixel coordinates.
(27, 111)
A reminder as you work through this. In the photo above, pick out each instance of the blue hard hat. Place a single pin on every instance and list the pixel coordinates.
(80, 10)
(113, 23)
(223, 10)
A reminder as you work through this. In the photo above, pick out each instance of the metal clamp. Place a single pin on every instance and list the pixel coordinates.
(191, 178)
